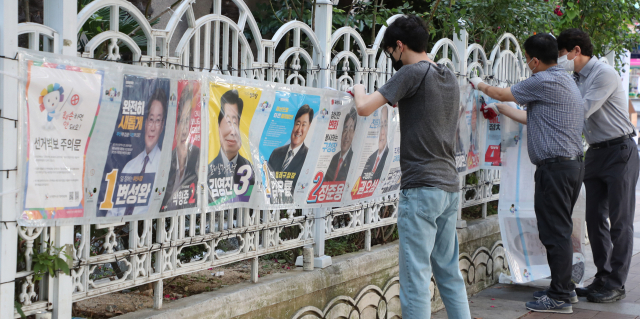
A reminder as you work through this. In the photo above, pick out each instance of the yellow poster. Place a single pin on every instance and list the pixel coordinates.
(231, 175)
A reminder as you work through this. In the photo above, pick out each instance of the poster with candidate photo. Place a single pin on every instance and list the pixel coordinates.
(285, 142)
(492, 139)
(467, 147)
(337, 155)
(181, 191)
(375, 153)
(231, 174)
(134, 155)
(392, 180)
(62, 104)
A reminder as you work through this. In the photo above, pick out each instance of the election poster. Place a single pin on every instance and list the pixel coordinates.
(134, 154)
(337, 155)
(492, 137)
(526, 255)
(62, 104)
(467, 148)
(231, 174)
(181, 191)
(392, 181)
(285, 141)
(375, 152)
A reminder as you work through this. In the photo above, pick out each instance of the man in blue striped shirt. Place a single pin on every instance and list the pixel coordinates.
(554, 116)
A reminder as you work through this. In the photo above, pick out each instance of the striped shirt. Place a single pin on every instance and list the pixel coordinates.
(555, 114)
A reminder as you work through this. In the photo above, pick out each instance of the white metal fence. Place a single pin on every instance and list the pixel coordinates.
(218, 44)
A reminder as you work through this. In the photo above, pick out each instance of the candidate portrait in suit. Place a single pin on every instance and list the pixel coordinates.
(375, 163)
(287, 160)
(341, 161)
(148, 160)
(185, 158)
(229, 162)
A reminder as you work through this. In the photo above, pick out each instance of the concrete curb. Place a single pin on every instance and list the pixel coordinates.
(277, 288)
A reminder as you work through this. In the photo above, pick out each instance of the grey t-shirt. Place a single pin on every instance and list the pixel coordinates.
(428, 107)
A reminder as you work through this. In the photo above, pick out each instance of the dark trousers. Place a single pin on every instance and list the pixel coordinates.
(557, 189)
(610, 178)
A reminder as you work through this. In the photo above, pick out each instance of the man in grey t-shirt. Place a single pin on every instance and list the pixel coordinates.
(428, 100)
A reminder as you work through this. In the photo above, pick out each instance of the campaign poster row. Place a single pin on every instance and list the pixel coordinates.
(105, 142)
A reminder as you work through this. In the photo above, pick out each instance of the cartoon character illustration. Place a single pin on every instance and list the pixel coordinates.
(112, 93)
(265, 105)
(516, 139)
(526, 274)
(512, 209)
(52, 100)
(324, 113)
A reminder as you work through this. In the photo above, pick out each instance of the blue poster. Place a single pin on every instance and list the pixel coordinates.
(285, 142)
(134, 152)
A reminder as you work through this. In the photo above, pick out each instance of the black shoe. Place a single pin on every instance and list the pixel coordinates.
(592, 288)
(606, 296)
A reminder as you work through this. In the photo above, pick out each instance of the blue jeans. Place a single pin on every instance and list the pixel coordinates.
(429, 242)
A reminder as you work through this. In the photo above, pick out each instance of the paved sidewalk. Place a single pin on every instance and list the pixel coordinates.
(504, 301)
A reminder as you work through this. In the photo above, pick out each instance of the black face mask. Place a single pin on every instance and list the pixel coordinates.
(396, 64)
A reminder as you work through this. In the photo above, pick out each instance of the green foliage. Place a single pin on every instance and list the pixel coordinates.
(18, 307)
(99, 22)
(49, 261)
(339, 246)
(607, 22)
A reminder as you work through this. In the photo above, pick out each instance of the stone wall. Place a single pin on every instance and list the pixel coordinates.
(358, 285)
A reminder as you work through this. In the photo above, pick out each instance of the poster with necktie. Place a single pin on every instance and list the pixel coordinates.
(134, 156)
(375, 152)
(231, 172)
(285, 141)
(393, 177)
(338, 154)
(181, 192)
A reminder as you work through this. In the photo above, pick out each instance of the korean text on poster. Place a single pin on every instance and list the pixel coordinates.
(231, 175)
(62, 104)
(185, 155)
(335, 159)
(375, 152)
(135, 149)
(285, 143)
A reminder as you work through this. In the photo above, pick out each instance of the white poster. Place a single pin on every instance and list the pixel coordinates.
(62, 104)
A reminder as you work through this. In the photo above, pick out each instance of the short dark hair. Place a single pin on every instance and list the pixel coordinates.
(542, 46)
(230, 97)
(160, 96)
(570, 38)
(185, 95)
(305, 109)
(411, 30)
(353, 114)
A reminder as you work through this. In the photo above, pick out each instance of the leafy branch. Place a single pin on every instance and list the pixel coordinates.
(49, 261)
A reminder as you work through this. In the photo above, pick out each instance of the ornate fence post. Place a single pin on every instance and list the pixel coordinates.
(461, 42)
(323, 23)
(8, 160)
(61, 15)
(320, 260)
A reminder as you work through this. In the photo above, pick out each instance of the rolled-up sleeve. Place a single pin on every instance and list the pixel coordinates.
(604, 84)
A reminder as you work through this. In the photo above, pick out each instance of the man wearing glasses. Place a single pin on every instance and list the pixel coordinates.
(428, 100)
(149, 159)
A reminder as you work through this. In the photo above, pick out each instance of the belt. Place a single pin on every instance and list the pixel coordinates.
(559, 159)
(612, 142)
